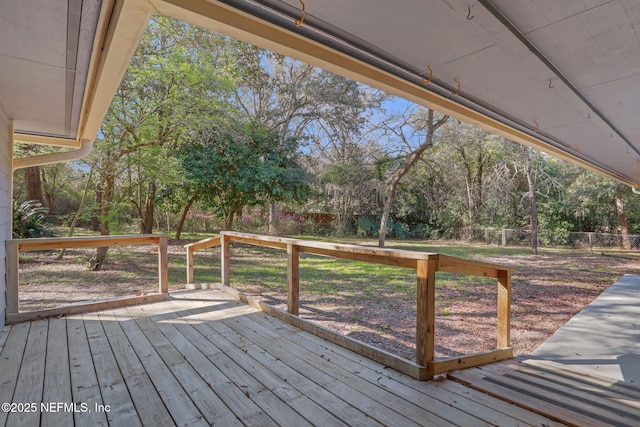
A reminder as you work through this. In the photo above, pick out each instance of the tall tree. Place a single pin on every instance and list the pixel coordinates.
(346, 181)
(622, 219)
(532, 199)
(170, 87)
(34, 184)
(403, 163)
(473, 150)
(297, 100)
(601, 204)
(251, 166)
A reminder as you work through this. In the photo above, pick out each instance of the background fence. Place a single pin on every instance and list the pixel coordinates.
(522, 237)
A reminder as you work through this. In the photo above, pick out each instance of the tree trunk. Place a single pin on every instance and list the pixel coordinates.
(386, 210)
(47, 194)
(469, 180)
(95, 218)
(532, 200)
(147, 220)
(101, 253)
(72, 227)
(228, 221)
(403, 170)
(183, 217)
(273, 218)
(624, 222)
(34, 184)
(478, 189)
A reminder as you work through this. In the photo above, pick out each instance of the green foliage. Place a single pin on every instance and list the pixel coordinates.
(367, 226)
(29, 220)
(399, 230)
(251, 166)
(554, 234)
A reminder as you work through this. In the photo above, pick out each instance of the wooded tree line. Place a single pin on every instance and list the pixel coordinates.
(204, 123)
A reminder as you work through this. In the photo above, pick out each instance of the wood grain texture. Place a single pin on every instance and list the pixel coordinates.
(205, 358)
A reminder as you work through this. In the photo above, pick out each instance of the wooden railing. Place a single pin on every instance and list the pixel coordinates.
(426, 266)
(15, 246)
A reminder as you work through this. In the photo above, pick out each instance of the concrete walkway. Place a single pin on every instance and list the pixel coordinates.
(604, 338)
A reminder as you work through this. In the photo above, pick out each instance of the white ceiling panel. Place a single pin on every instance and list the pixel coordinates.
(529, 15)
(617, 97)
(24, 81)
(45, 50)
(630, 124)
(498, 80)
(412, 31)
(596, 46)
(34, 30)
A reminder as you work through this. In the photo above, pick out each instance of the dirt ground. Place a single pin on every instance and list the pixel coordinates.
(547, 291)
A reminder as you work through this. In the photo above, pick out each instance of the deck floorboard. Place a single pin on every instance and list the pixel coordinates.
(573, 398)
(204, 358)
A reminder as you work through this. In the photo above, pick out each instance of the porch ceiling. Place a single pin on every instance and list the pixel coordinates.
(560, 76)
(45, 49)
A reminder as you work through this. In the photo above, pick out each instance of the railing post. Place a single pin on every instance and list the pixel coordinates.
(293, 278)
(190, 265)
(225, 259)
(504, 308)
(425, 312)
(163, 267)
(12, 267)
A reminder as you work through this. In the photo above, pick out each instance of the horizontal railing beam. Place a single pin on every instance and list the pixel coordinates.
(449, 264)
(344, 248)
(441, 366)
(50, 243)
(204, 244)
(354, 256)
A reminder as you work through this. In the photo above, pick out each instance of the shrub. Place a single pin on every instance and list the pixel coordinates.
(29, 220)
(367, 226)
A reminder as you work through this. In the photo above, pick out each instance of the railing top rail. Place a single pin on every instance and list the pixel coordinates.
(204, 243)
(43, 243)
(364, 250)
(327, 248)
(449, 259)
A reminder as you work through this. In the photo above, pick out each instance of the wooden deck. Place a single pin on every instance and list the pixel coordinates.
(578, 399)
(203, 358)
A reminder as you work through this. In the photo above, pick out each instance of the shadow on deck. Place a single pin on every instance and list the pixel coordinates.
(586, 374)
(204, 358)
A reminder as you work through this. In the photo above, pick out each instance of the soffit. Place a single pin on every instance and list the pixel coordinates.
(45, 51)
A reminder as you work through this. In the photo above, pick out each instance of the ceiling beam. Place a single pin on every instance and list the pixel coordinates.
(45, 140)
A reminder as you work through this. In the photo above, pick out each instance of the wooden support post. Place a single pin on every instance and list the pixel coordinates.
(225, 259)
(504, 308)
(12, 267)
(425, 322)
(190, 252)
(163, 266)
(293, 279)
